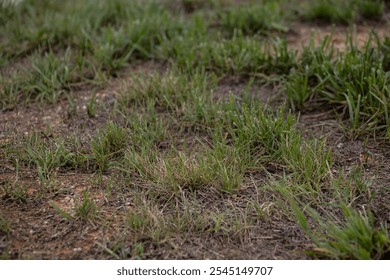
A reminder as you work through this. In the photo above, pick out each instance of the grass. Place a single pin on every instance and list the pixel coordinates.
(343, 12)
(86, 209)
(109, 143)
(15, 191)
(185, 151)
(372, 10)
(83, 25)
(97, 40)
(253, 19)
(46, 157)
(219, 168)
(170, 91)
(238, 55)
(355, 238)
(354, 80)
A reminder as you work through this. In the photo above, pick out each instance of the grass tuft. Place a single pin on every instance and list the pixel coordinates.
(355, 237)
(354, 82)
(253, 19)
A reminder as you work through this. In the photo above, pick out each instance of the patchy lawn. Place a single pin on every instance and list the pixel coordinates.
(194, 129)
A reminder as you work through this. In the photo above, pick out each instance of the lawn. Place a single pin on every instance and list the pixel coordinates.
(194, 129)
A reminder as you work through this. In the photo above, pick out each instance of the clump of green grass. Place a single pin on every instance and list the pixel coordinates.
(14, 191)
(47, 80)
(251, 19)
(267, 137)
(354, 236)
(109, 144)
(188, 99)
(35, 25)
(308, 161)
(371, 9)
(220, 167)
(348, 187)
(259, 131)
(49, 77)
(194, 5)
(332, 11)
(146, 131)
(236, 56)
(86, 208)
(183, 172)
(139, 162)
(329, 11)
(148, 220)
(107, 34)
(9, 91)
(146, 127)
(136, 39)
(355, 81)
(171, 91)
(46, 156)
